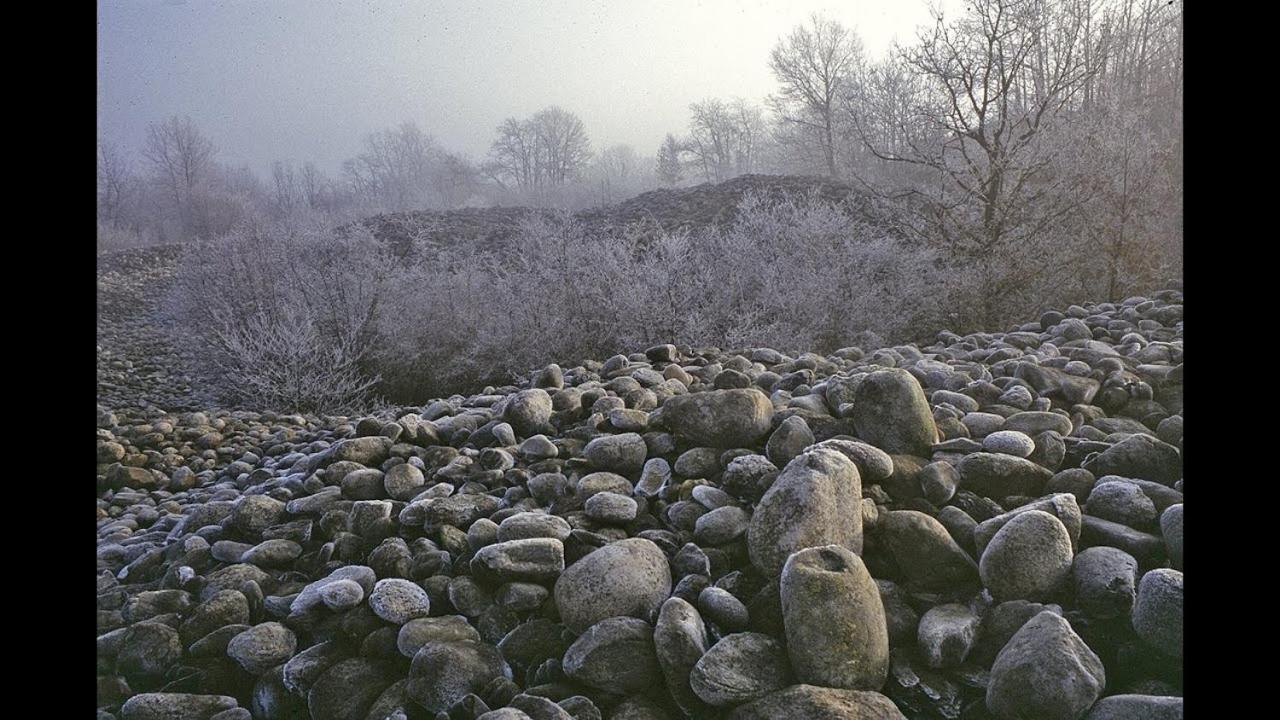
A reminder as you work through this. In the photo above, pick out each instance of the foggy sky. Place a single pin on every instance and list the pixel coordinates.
(305, 80)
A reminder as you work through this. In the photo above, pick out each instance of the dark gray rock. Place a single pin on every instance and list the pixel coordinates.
(938, 481)
(925, 552)
(891, 412)
(998, 476)
(1139, 456)
(347, 689)
(1121, 502)
(528, 411)
(1137, 707)
(623, 454)
(442, 673)
(615, 655)
(680, 639)
(420, 631)
(788, 441)
(1146, 548)
(534, 559)
(1045, 671)
(175, 706)
(740, 668)
(1157, 611)
(1105, 582)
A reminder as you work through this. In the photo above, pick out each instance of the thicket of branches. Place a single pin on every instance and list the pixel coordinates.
(324, 319)
(282, 316)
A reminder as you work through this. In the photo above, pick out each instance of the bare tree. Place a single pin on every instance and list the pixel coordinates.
(725, 138)
(563, 147)
(670, 168)
(815, 67)
(513, 156)
(547, 151)
(116, 184)
(615, 170)
(180, 155)
(181, 160)
(455, 180)
(999, 80)
(286, 193)
(711, 139)
(396, 169)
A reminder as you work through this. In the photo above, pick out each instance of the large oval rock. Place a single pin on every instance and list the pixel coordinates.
(1045, 671)
(628, 577)
(718, 418)
(807, 702)
(1028, 559)
(926, 553)
(816, 500)
(740, 668)
(443, 673)
(615, 655)
(835, 624)
(891, 412)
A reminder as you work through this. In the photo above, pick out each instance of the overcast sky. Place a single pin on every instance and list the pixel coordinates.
(305, 80)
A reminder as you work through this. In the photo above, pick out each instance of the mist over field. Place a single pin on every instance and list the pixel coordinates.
(583, 359)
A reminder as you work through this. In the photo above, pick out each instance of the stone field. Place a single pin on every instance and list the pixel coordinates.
(988, 526)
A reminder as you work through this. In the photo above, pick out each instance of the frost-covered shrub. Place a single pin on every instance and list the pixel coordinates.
(283, 319)
(304, 318)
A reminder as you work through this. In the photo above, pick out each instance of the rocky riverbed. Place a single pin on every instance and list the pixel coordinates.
(989, 526)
